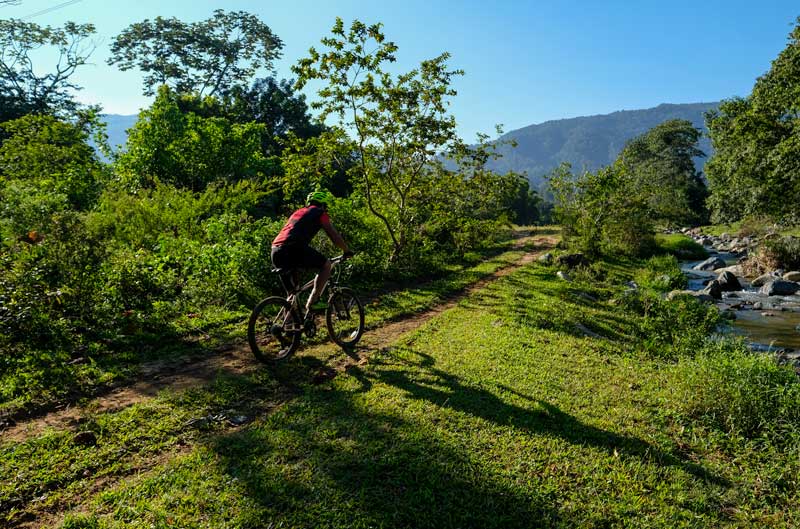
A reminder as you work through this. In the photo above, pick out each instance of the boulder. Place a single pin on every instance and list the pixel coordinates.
(735, 270)
(713, 289)
(779, 287)
(563, 275)
(705, 241)
(572, 260)
(698, 295)
(712, 263)
(546, 259)
(728, 282)
(725, 236)
(762, 280)
(792, 276)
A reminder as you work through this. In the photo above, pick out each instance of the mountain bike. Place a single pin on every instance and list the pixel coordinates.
(276, 324)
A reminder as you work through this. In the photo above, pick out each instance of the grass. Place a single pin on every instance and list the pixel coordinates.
(749, 227)
(498, 413)
(681, 246)
(54, 378)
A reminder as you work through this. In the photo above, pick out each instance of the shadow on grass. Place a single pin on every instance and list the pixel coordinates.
(544, 419)
(336, 458)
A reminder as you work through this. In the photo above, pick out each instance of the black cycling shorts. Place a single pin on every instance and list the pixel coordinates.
(291, 257)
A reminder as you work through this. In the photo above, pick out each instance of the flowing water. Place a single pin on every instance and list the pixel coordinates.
(768, 322)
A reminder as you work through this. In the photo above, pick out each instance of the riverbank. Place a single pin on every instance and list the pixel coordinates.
(764, 308)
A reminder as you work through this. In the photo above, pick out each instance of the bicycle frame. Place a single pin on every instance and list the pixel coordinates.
(333, 282)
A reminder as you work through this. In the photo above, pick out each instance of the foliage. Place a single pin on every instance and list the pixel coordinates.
(661, 273)
(743, 394)
(615, 209)
(208, 58)
(399, 122)
(754, 170)
(45, 153)
(189, 151)
(602, 212)
(319, 161)
(281, 110)
(23, 87)
(780, 252)
(662, 162)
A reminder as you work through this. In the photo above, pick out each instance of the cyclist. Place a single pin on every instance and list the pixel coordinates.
(291, 249)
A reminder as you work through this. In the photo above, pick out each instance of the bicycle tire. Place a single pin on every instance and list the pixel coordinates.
(274, 330)
(344, 327)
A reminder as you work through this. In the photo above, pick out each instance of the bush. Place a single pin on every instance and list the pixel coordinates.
(672, 329)
(741, 393)
(661, 273)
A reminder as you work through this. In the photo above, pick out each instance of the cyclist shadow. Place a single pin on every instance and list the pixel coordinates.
(540, 418)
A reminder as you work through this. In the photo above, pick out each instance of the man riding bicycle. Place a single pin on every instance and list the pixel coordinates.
(291, 249)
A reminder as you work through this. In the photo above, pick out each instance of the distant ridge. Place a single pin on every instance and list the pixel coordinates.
(590, 142)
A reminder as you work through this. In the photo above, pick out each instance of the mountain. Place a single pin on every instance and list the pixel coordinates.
(117, 126)
(589, 142)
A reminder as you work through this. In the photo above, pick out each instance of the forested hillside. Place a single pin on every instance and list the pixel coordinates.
(590, 142)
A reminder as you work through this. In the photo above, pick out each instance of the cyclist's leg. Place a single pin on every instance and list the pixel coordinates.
(319, 284)
(316, 261)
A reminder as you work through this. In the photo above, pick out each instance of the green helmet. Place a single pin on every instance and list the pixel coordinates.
(321, 196)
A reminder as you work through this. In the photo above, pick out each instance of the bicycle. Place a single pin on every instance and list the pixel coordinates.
(276, 324)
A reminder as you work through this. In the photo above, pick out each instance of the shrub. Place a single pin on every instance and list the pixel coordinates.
(661, 273)
(672, 329)
(739, 392)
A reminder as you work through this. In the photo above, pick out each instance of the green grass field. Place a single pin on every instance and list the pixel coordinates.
(500, 412)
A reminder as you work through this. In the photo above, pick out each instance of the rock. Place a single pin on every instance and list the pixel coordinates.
(572, 260)
(779, 287)
(762, 280)
(735, 270)
(546, 259)
(728, 282)
(672, 295)
(587, 296)
(705, 241)
(712, 263)
(713, 289)
(725, 237)
(633, 285)
(563, 275)
(85, 438)
(758, 305)
(792, 276)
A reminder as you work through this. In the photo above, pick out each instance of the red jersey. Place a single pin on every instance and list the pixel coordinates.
(302, 226)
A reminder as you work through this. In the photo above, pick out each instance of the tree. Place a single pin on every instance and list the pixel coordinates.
(616, 208)
(662, 163)
(190, 151)
(275, 105)
(209, 57)
(400, 122)
(22, 89)
(755, 169)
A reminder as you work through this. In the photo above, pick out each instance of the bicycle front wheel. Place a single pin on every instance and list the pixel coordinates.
(274, 330)
(345, 318)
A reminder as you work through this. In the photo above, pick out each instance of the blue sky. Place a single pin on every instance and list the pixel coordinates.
(525, 62)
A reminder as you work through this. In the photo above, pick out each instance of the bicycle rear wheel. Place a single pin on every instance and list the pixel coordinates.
(274, 330)
(345, 318)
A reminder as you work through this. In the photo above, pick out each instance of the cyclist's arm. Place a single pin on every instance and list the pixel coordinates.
(334, 236)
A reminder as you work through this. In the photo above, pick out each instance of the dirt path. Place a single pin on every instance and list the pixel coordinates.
(187, 372)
